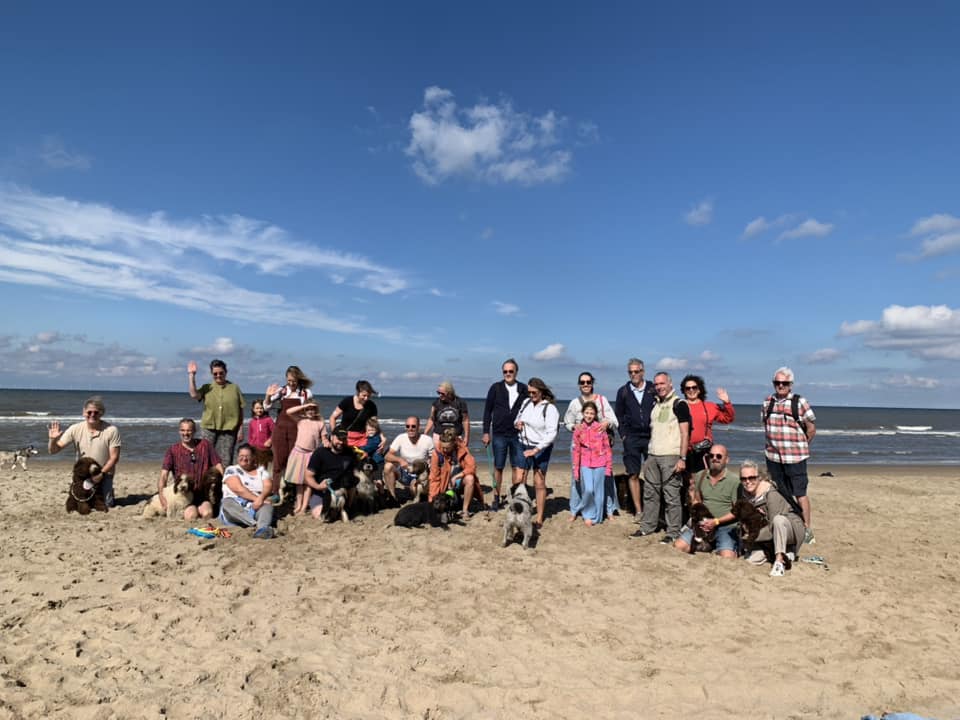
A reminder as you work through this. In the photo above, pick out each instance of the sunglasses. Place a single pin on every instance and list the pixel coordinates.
(411, 427)
(716, 456)
(509, 372)
(92, 413)
(586, 382)
(782, 383)
(635, 372)
(193, 457)
(690, 388)
(749, 478)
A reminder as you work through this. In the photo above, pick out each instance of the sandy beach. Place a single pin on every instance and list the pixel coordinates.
(114, 616)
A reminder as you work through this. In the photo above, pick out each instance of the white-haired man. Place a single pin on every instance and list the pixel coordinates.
(789, 425)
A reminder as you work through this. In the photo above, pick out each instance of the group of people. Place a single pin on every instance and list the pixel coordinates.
(669, 452)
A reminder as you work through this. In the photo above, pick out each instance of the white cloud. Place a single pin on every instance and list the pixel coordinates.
(491, 142)
(220, 346)
(942, 233)
(55, 155)
(912, 381)
(47, 337)
(86, 247)
(701, 214)
(823, 356)
(808, 228)
(760, 225)
(556, 351)
(708, 356)
(505, 308)
(926, 331)
(667, 364)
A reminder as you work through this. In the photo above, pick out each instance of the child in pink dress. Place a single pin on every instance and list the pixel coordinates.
(260, 430)
(311, 432)
(592, 461)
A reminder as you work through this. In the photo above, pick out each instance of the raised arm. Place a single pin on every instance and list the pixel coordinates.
(192, 380)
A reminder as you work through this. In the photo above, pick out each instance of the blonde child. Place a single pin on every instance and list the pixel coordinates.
(376, 441)
(592, 461)
(311, 432)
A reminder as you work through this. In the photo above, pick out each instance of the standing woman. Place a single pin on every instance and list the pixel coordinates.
(607, 419)
(352, 413)
(448, 411)
(295, 393)
(537, 424)
(703, 414)
(223, 405)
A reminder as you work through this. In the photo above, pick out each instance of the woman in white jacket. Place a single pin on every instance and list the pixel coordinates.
(537, 423)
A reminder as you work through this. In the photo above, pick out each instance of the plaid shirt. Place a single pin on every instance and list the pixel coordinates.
(786, 440)
(196, 462)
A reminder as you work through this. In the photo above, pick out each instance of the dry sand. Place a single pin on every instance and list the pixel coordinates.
(113, 616)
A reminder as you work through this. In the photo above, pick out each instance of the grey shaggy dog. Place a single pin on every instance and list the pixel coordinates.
(519, 517)
(20, 455)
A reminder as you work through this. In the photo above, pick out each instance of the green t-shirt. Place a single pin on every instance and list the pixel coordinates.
(719, 498)
(222, 406)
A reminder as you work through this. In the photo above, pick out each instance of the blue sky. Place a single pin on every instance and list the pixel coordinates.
(409, 192)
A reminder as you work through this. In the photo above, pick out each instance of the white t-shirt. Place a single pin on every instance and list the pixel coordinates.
(251, 481)
(402, 446)
(513, 392)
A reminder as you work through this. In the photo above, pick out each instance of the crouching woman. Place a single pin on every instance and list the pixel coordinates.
(784, 529)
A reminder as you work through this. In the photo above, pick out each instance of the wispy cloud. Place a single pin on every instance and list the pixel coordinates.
(669, 364)
(703, 361)
(492, 142)
(700, 214)
(940, 233)
(925, 331)
(555, 351)
(808, 228)
(824, 356)
(911, 381)
(505, 308)
(54, 242)
(760, 225)
(56, 155)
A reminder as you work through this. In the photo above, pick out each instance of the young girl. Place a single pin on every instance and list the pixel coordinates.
(592, 461)
(260, 431)
(376, 440)
(311, 431)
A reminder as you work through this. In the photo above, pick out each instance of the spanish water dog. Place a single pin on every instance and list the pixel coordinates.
(703, 541)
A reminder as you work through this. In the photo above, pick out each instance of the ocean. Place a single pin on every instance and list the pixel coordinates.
(148, 425)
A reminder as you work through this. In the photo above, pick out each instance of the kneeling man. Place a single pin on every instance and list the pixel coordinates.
(717, 489)
(405, 450)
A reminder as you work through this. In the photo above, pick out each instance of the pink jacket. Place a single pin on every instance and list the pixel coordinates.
(591, 448)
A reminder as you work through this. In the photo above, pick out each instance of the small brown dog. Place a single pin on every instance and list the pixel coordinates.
(751, 520)
(210, 489)
(84, 494)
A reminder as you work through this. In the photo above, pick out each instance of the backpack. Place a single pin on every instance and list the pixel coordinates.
(794, 410)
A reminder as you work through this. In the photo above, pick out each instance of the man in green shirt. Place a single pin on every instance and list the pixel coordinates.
(718, 489)
(223, 404)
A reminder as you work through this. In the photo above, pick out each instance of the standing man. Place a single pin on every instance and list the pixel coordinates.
(94, 438)
(663, 471)
(633, 408)
(404, 451)
(717, 488)
(499, 415)
(788, 422)
(222, 408)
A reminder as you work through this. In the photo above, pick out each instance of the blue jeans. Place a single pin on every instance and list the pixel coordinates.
(727, 537)
(106, 485)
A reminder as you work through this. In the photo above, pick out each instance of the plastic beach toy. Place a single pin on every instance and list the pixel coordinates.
(209, 532)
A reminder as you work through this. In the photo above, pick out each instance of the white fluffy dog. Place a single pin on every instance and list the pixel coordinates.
(178, 496)
(519, 517)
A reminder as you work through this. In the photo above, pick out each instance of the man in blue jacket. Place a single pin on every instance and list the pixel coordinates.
(634, 405)
(499, 414)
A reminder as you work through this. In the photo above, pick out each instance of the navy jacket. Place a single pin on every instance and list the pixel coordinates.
(498, 416)
(634, 417)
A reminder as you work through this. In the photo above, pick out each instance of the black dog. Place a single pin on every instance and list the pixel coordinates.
(703, 541)
(435, 513)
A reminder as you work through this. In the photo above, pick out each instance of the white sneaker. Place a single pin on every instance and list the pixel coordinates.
(777, 570)
(791, 557)
(757, 557)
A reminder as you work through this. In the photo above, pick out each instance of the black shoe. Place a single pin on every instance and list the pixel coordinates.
(639, 533)
(667, 540)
